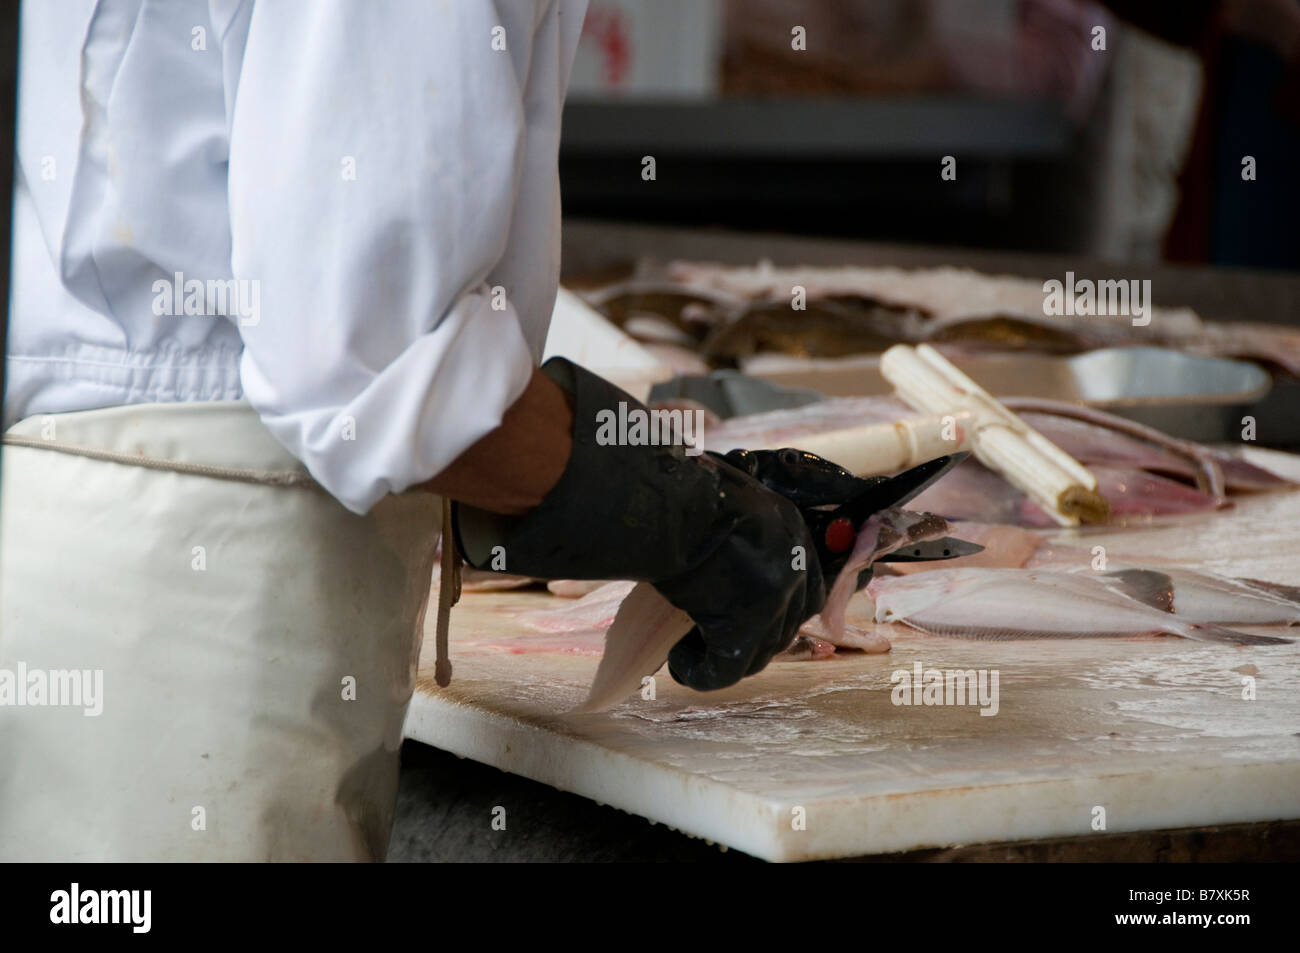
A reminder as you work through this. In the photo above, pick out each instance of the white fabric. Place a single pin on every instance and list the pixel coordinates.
(225, 729)
(372, 168)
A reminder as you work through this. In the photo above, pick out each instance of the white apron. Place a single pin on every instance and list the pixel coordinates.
(254, 643)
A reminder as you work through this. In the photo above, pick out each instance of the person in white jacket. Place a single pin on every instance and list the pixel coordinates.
(282, 275)
(237, 221)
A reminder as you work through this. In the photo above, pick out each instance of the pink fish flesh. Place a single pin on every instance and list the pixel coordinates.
(1005, 547)
(974, 492)
(1131, 462)
(1094, 436)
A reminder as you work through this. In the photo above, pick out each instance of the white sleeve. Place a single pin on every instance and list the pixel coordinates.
(375, 159)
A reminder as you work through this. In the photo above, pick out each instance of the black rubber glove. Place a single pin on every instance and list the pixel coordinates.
(806, 480)
(720, 546)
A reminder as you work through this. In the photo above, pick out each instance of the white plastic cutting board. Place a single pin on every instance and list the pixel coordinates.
(812, 760)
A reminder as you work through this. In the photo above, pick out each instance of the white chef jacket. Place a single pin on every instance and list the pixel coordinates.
(375, 178)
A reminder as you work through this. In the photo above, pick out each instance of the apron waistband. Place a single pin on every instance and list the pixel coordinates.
(266, 477)
(236, 445)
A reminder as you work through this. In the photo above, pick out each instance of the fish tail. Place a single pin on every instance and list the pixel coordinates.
(1275, 589)
(1208, 632)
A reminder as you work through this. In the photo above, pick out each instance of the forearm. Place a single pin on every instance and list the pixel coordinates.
(512, 468)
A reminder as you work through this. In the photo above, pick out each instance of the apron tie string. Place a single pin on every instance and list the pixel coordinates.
(448, 596)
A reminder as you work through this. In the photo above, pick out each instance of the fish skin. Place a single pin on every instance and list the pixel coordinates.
(1207, 597)
(1012, 332)
(827, 326)
(1271, 344)
(1148, 586)
(1290, 593)
(1094, 436)
(1131, 493)
(1025, 604)
(1092, 444)
(806, 648)
(880, 535)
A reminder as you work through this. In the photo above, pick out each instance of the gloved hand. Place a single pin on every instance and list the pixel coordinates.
(806, 480)
(733, 555)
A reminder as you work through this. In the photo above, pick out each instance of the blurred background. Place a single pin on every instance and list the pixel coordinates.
(1141, 131)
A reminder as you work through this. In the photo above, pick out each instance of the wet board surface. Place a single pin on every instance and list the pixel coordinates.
(813, 760)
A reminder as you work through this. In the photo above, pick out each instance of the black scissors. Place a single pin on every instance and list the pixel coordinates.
(835, 503)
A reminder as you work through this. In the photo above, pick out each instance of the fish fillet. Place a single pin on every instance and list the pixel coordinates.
(648, 626)
(1023, 604)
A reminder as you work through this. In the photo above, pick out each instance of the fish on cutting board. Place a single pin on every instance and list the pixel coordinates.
(982, 311)
(648, 625)
(1195, 595)
(594, 612)
(1203, 596)
(1093, 436)
(1133, 464)
(881, 534)
(974, 492)
(1024, 604)
(827, 326)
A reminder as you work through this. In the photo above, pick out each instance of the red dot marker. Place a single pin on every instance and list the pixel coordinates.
(839, 535)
